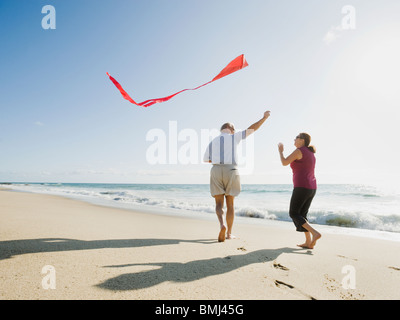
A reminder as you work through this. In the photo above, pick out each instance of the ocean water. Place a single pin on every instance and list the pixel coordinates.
(345, 206)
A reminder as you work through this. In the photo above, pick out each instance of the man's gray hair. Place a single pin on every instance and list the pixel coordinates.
(227, 125)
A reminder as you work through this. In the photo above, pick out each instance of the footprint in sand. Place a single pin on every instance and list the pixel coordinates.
(277, 265)
(344, 257)
(284, 285)
(281, 283)
(394, 268)
(333, 286)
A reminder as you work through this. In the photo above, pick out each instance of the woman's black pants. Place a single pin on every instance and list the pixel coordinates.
(299, 205)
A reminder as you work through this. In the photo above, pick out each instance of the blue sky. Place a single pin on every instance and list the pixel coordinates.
(63, 120)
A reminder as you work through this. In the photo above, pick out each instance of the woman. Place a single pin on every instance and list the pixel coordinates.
(302, 162)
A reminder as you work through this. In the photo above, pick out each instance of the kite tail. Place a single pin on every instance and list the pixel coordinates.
(235, 65)
(123, 92)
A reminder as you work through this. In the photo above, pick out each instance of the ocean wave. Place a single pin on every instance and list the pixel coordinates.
(350, 211)
(360, 220)
(266, 191)
(250, 212)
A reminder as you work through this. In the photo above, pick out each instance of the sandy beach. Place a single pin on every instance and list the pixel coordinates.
(87, 251)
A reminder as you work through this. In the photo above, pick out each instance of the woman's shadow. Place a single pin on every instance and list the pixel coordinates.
(189, 271)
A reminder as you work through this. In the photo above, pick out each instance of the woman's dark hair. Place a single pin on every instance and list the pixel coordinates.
(307, 140)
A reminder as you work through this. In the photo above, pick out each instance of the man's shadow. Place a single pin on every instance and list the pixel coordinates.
(12, 248)
(190, 271)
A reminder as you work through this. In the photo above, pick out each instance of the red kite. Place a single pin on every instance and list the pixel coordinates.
(235, 65)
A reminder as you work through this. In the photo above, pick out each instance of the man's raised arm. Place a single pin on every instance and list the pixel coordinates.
(255, 126)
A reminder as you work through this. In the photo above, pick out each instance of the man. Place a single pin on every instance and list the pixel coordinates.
(224, 175)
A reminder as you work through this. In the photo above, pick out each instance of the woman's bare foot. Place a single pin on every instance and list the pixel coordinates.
(231, 236)
(315, 237)
(304, 245)
(312, 243)
(221, 236)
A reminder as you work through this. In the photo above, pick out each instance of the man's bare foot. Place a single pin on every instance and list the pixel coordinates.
(221, 236)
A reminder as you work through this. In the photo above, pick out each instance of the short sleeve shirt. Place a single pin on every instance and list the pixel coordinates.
(223, 149)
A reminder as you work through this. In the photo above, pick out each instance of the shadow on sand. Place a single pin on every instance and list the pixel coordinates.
(166, 271)
(190, 271)
(12, 248)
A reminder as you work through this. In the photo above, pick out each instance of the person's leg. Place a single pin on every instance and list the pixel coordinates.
(296, 204)
(233, 187)
(310, 243)
(230, 214)
(296, 212)
(219, 209)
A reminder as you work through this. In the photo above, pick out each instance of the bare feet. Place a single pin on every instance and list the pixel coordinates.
(304, 245)
(315, 237)
(231, 236)
(310, 241)
(221, 236)
(310, 244)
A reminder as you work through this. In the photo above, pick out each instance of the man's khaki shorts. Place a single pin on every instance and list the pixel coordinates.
(224, 179)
